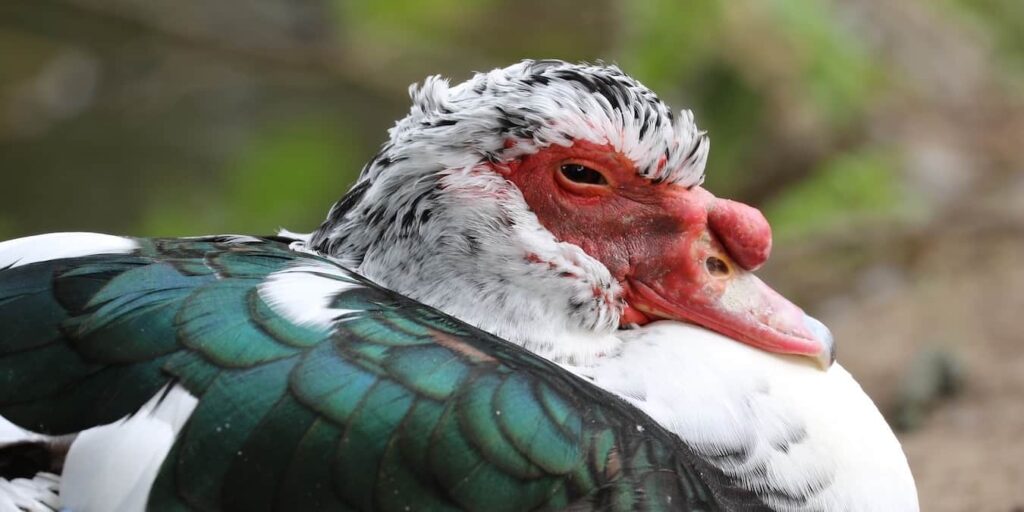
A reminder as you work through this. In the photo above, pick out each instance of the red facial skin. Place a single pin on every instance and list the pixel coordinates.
(656, 240)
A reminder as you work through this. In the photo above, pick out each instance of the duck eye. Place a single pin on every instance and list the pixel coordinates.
(577, 173)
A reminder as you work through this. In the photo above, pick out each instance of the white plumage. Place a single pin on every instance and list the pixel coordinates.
(773, 421)
(112, 468)
(52, 246)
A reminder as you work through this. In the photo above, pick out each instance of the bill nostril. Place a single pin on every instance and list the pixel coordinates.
(716, 266)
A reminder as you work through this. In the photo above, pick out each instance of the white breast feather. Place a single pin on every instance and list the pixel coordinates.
(807, 439)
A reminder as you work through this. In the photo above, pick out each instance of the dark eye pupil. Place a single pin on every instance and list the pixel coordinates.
(582, 174)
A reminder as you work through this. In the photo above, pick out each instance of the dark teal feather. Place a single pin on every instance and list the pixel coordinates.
(397, 406)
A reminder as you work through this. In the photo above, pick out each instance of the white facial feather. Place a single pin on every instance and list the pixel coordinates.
(430, 217)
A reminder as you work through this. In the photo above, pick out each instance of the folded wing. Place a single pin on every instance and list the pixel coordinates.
(318, 390)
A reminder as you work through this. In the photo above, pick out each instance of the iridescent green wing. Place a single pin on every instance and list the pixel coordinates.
(389, 406)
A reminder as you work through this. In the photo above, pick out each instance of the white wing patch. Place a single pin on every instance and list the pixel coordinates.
(37, 494)
(113, 467)
(110, 467)
(302, 238)
(52, 246)
(303, 294)
(9, 432)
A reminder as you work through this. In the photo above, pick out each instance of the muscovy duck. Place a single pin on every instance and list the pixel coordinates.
(526, 301)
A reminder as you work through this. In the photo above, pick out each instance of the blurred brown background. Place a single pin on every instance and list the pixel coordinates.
(884, 141)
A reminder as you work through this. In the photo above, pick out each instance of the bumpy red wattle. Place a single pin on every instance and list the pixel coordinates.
(743, 230)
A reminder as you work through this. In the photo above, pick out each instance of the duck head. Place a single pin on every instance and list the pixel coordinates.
(552, 204)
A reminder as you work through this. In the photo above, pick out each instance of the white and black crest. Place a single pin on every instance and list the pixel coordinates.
(532, 104)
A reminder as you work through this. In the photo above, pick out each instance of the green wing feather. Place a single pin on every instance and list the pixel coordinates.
(398, 407)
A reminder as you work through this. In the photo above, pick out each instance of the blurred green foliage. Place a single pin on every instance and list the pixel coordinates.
(845, 188)
(1003, 20)
(408, 22)
(247, 117)
(666, 42)
(287, 178)
(835, 63)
